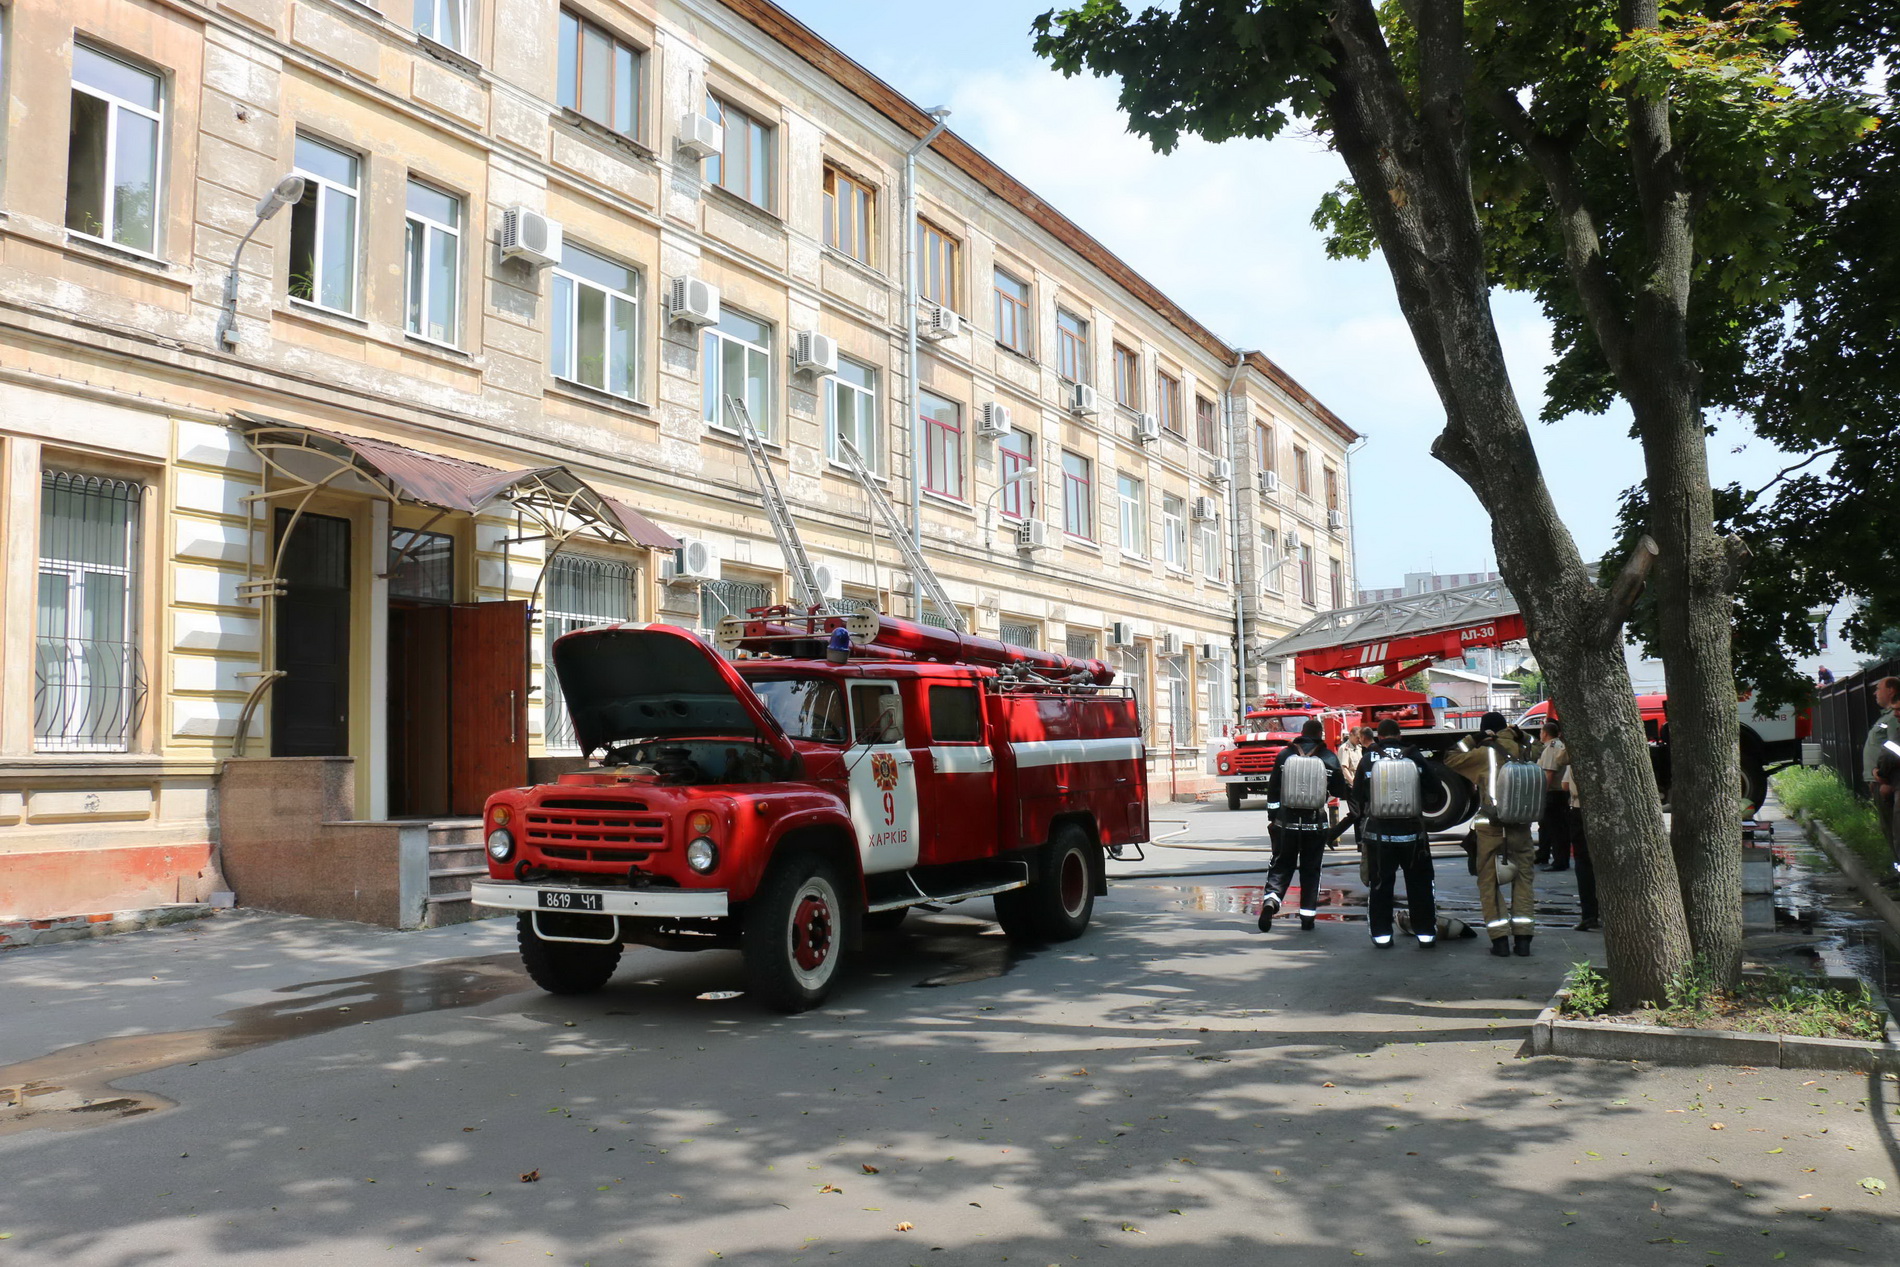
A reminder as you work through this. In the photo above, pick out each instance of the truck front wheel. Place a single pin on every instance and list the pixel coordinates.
(1058, 903)
(793, 940)
(1235, 795)
(564, 967)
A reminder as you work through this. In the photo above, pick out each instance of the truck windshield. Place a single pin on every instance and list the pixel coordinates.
(806, 708)
(1278, 723)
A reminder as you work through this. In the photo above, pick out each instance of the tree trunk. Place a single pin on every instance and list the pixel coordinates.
(1411, 170)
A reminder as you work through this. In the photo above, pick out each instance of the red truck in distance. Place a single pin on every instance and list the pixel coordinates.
(781, 803)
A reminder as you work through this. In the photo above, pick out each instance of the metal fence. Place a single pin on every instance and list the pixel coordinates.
(1843, 713)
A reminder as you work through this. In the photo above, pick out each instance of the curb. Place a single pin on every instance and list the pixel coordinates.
(1594, 1040)
(1853, 868)
(20, 933)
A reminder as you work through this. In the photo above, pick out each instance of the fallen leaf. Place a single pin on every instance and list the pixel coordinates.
(1875, 1186)
(903, 1227)
(1326, 1084)
(533, 1176)
(1775, 1150)
(869, 1169)
(1781, 1253)
(831, 1187)
(1080, 1073)
(1421, 1241)
(1130, 1227)
(1717, 1126)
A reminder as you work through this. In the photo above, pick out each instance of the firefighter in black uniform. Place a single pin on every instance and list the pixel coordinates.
(1300, 836)
(1395, 845)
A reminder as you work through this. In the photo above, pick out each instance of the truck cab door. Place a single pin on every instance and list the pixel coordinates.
(883, 779)
(959, 796)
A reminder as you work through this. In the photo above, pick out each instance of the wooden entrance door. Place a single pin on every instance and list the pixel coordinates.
(310, 706)
(488, 702)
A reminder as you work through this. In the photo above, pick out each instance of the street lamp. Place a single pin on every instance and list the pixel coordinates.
(281, 195)
(989, 503)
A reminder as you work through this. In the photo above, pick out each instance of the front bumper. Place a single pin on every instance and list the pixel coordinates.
(652, 903)
(1246, 780)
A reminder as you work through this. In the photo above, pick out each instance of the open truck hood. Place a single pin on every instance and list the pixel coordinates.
(628, 682)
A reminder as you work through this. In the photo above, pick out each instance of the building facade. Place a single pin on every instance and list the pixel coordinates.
(287, 539)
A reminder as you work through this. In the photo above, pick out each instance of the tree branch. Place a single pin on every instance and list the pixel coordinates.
(1785, 472)
(1628, 587)
(1583, 243)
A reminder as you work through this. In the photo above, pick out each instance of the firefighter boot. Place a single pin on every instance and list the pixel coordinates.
(1501, 947)
(1519, 946)
(1307, 920)
(1269, 907)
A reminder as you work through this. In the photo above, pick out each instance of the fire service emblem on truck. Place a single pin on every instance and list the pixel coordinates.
(884, 771)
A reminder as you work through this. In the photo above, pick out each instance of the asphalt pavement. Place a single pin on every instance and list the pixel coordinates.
(273, 1090)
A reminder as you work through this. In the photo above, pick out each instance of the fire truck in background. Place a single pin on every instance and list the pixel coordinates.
(1245, 766)
(784, 801)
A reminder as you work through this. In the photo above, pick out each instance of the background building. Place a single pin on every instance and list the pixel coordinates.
(292, 565)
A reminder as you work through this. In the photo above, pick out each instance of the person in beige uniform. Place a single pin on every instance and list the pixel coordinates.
(1510, 932)
(1553, 830)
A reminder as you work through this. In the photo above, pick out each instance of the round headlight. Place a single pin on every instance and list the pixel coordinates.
(501, 844)
(701, 854)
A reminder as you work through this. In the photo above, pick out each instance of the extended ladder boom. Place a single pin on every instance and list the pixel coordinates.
(804, 575)
(921, 573)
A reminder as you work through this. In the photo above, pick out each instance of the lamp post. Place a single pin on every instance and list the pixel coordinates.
(281, 195)
(989, 503)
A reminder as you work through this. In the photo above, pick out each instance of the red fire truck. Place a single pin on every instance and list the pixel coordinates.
(1269, 728)
(783, 801)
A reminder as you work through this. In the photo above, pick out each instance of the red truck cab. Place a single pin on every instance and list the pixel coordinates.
(1245, 767)
(781, 804)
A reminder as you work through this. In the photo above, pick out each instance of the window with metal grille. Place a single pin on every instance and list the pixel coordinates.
(421, 566)
(719, 599)
(941, 619)
(89, 682)
(1216, 678)
(1079, 645)
(1020, 633)
(581, 592)
(1134, 675)
(1179, 702)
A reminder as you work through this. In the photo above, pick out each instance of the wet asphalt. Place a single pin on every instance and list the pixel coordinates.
(266, 1089)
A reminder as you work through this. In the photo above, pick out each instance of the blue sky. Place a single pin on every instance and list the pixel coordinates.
(1225, 231)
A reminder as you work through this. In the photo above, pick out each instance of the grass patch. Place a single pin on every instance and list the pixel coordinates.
(1777, 1002)
(1820, 792)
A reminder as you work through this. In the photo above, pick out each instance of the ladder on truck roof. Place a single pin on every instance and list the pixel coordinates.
(921, 574)
(804, 575)
(1421, 628)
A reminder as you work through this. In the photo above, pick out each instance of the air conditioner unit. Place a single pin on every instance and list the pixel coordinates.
(1205, 508)
(1223, 470)
(1293, 542)
(1121, 634)
(939, 323)
(1335, 519)
(530, 237)
(696, 560)
(1032, 534)
(816, 354)
(693, 302)
(1171, 644)
(1269, 481)
(993, 420)
(830, 584)
(700, 137)
(1082, 399)
(1147, 428)
(1212, 650)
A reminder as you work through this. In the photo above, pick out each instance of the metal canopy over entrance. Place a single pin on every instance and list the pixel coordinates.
(551, 505)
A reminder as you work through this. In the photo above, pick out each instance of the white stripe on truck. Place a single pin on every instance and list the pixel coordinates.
(1075, 751)
(974, 760)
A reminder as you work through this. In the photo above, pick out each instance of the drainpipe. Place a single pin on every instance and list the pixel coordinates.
(909, 230)
(1235, 423)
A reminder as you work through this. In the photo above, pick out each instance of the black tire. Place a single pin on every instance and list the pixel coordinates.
(564, 967)
(1235, 795)
(1060, 898)
(1754, 782)
(1446, 799)
(885, 921)
(794, 934)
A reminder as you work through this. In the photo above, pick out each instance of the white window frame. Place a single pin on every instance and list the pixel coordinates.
(109, 179)
(1174, 533)
(1133, 515)
(415, 322)
(1271, 561)
(569, 372)
(463, 11)
(1213, 550)
(713, 371)
(75, 666)
(722, 112)
(866, 401)
(319, 186)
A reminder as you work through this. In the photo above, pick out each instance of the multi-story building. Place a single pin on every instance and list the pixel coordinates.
(298, 490)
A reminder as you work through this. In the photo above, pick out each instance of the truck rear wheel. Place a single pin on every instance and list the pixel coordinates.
(1235, 795)
(564, 967)
(1446, 798)
(793, 940)
(1058, 903)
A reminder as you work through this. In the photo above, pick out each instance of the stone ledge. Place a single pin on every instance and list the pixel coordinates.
(20, 933)
(1597, 1040)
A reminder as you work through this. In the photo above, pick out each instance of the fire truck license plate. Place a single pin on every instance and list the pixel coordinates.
(565, 900)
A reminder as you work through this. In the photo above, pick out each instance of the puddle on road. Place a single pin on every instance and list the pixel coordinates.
(71, 1089)
(1821, 921)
